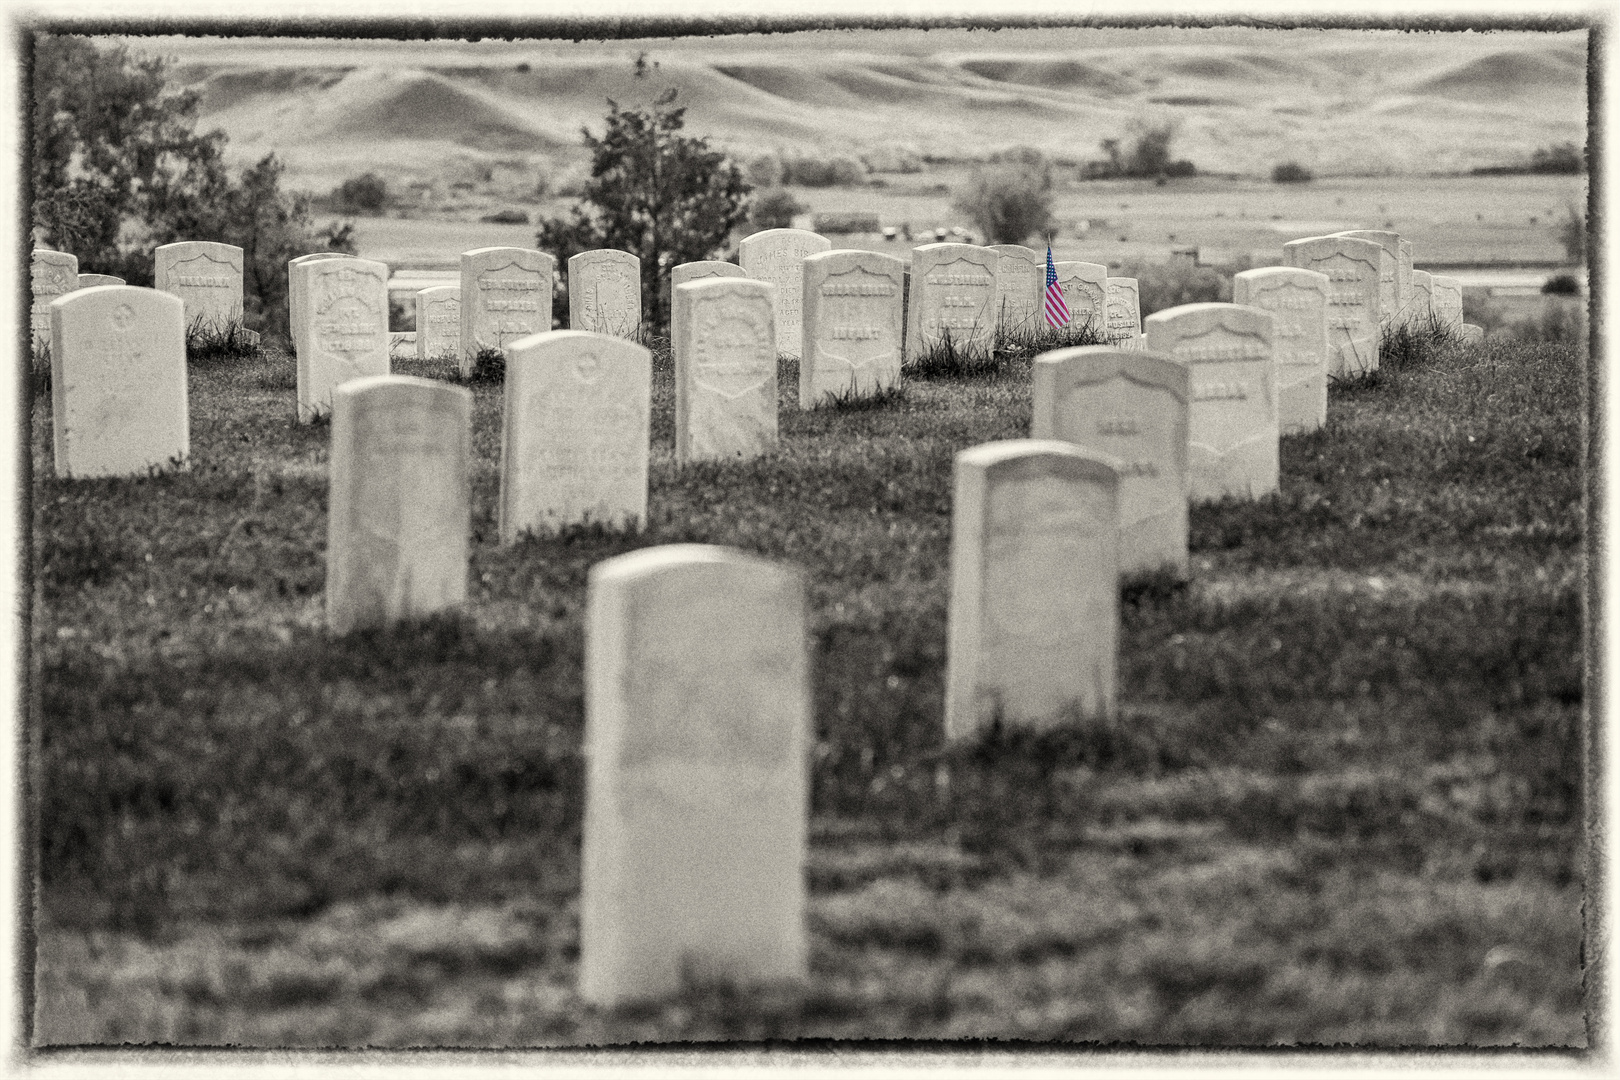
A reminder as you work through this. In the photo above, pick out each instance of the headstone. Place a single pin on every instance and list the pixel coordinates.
(697, 727)
(852, 324)
(399, 508)
(1446, 299)
(505, 295)
(1131, 406)
(251, 337)
(953, 295)
(1020, 287)
(345, 332)
(90, 281)
(401, 344)
(50, 274)
(118, 381)
(777, 256)
(1422, 306)
(1403, 279)
(1352, 268)
(1297, 300)
(604, 292)
(207, 277)
(574, 434)
(725, 369)
(295, 294)
(1232, 390)
(1123, 327)
(1085, 290)
(1034, 610)
(682, 273)
(1392, 285)
(438, 322)
(1471, 334)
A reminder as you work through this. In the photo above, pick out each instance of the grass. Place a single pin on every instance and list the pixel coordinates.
(1342, 801)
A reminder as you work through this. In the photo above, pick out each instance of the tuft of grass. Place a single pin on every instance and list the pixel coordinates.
(851, 399)
(39, 367)
(489, 368)
(208, 340)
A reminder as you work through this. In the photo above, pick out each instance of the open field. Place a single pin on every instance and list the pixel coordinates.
(1342, 802)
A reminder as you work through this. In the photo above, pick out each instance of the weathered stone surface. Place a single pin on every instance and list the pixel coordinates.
(1034, 612)
(438, 322)
(1352, 267)
(90, 281)
(777, 256)
(575, 433)
(725, 369)
(1422, 305)
(1132, 407)
(50, 274)
(295, 294)
(505, 295)
(1020, 287)
(399, 507)
(1403, 280)
(953, 295)
(206, 276)
(118, 381)
(1232, 419)
(1124, 322)
(345, 305)
(604, 292)
(1297, 300)
(852, 324)
(682, 273)
(1085, 290)
(697, 726)
(1394, 286)
(1446, 300)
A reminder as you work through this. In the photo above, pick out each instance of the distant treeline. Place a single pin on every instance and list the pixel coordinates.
(1567, 158)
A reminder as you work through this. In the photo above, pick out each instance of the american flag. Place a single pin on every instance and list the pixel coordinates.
(1057, 310)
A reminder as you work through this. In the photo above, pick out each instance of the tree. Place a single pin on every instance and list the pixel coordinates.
(1011, 199)
(364, 193)
(775, 209)
(664, 197)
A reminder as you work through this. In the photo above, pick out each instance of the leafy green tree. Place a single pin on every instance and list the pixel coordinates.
(664, 197)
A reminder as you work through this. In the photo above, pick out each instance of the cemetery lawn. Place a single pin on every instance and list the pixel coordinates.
(1342, 804)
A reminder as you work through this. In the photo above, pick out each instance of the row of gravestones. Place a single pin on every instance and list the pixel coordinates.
(207, 278)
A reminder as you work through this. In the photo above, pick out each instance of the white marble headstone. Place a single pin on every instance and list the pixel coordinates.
(50, 274)
(725, 369)
(1020, 287)
(1297, 300)
(1446, 298)
(295, 294)
(1034, 611)
(345, 332)
(852, 324)
(1085, 290)
(206, 276)
(90, 281)
(1352, 267)
(1132, 406)
(953, 294)
(438, 322)
(697, 727)
(574, 435)
(1232, 382)
(505, 295)
(777, 256)
(399, 508)
(1393, 284)
(1124, 323)
(1422, 306)
(118, 381)
(682, 273)
(604, 292)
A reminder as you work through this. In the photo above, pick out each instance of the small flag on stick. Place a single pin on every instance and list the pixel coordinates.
(1057, 309)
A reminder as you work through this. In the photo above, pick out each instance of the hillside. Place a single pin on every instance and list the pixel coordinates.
(1340, 102)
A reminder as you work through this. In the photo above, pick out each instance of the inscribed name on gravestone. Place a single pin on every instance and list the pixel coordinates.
(682, 273)
(1232, 390)
(295, 292)
(1352, 269)
(118, 382)
(1085, 290)
(953, 297)
(1297, 300)
(438, 322)
(505, 295)
(90, 281)
(852, 324)
(575, 432)
(604, 292)
(1034, 609)
(1446, 300)
(207, 277)
(399, 507)
(1422, 306)
(777, 256)
(345, 304)
(50, 274)
(1132, 406)
(725, 370)
(1020, 287)
(697, 725)
(1123, 328)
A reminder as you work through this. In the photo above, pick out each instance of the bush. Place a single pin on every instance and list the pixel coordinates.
(361, 194)
(823, 172)
(1562, 285)
(506, 217)
(1564, 158)
(1171, 284)
(765, 171)
(848, 222)
(1149, 156)
(774, 209)
(1009, 202)
(1291, 172)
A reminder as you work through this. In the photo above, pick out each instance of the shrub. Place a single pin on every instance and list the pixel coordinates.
(1291, 172)
(1564, 158)
(848, 222)
(361, 194)
(823, 172)
(1149, 155)
(774, 209)
(765, 171)
(1170, 284)
(506, 217)
(1009, 202)
(1562, 285)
